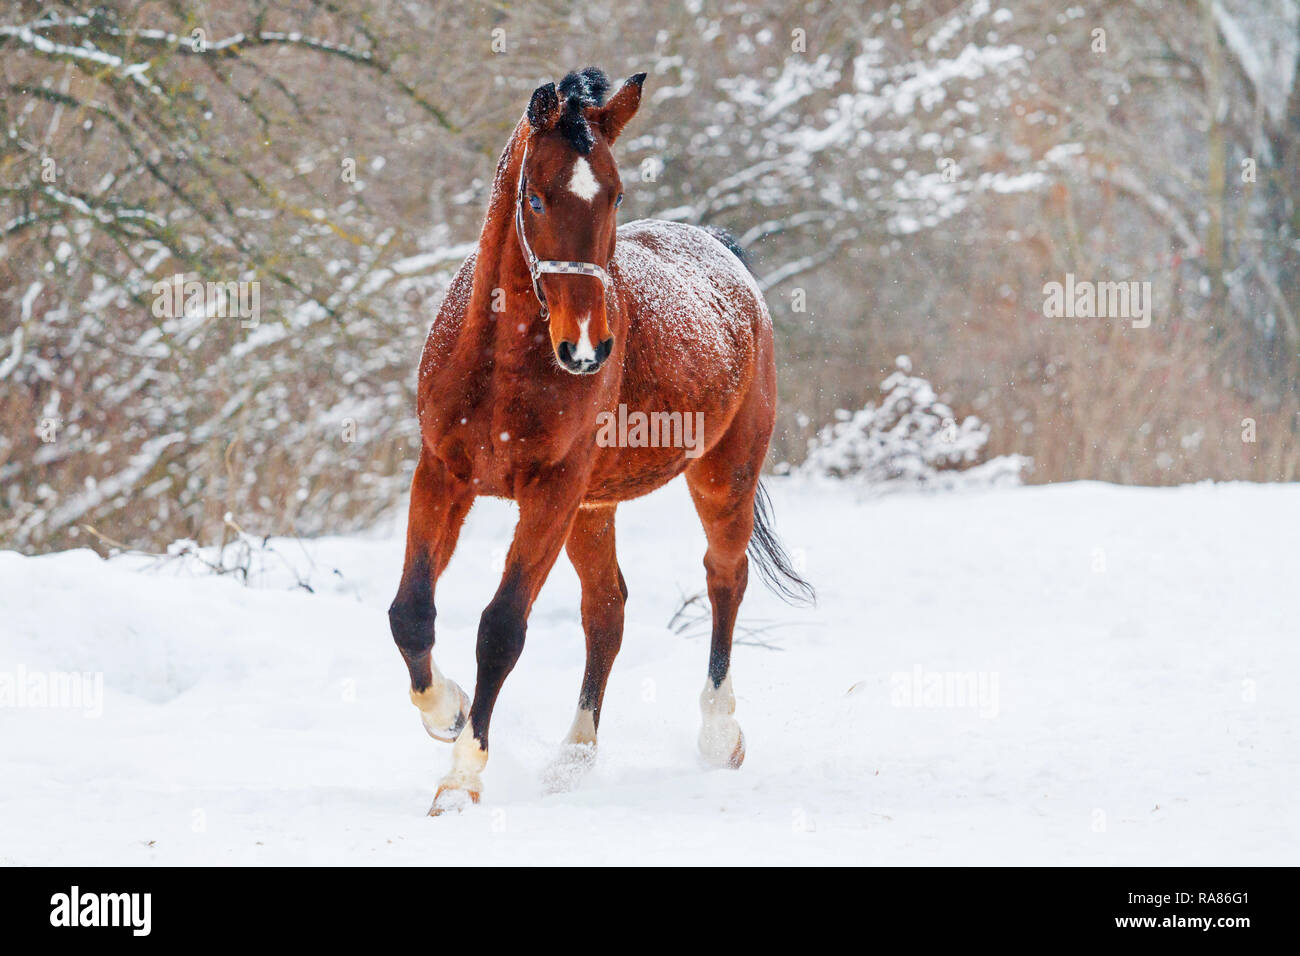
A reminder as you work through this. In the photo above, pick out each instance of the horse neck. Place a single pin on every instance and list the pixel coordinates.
(500, 262)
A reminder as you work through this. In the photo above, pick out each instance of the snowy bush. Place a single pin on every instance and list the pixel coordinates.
(911, 439)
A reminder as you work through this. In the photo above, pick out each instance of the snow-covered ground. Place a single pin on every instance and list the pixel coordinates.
(1131, 653)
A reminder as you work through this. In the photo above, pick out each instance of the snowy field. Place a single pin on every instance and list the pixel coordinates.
(1069, 674)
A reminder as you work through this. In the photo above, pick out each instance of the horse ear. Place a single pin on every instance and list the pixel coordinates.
(613, 116)
(544, 108)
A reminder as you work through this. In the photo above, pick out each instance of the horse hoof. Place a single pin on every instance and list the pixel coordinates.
(722, 744)
(568, 768)
(738, 755)
(451, 797)
(436, 721)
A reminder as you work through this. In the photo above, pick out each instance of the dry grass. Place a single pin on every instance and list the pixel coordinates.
(1085, 399)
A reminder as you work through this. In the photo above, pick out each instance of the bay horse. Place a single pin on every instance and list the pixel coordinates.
(558, 317)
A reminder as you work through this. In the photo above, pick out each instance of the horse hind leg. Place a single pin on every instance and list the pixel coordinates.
(438, 507)
(590, 547)
(723, 491)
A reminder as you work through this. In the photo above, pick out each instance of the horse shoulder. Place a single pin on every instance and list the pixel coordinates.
(445, 392)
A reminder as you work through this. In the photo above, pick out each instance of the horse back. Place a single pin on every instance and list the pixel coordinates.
(696, 320)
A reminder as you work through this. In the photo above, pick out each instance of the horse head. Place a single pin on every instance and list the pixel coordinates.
(566, 203)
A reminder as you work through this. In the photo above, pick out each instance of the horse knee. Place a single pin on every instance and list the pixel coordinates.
(412, 625)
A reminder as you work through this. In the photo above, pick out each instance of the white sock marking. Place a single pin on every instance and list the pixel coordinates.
(719, 732)
(583, 730)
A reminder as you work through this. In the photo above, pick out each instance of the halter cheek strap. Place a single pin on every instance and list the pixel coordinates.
(539, 267)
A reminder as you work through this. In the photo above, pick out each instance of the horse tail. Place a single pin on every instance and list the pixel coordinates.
(728, 240)
(769, 557)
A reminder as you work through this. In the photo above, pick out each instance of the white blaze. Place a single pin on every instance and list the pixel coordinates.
(583, 182)
(584, 351)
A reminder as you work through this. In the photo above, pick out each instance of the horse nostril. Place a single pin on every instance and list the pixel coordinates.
(566, 352)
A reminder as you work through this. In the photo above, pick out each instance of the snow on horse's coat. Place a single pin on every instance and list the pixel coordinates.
(693, 298)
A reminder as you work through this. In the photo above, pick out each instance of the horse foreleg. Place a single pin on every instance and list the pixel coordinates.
(438, 507)
(546, 512)
(590, 547)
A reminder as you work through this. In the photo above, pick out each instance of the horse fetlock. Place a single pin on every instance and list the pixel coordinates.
(718, 699)
(721, 741)
(583, 730)
(577, 755)
(463, 783)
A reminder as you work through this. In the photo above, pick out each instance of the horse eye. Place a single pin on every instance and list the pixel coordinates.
(535, 203)
(619, 201)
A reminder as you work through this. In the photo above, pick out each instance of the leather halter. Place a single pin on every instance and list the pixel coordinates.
(539, 267)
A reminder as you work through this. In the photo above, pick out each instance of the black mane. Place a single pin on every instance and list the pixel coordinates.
(579, 90)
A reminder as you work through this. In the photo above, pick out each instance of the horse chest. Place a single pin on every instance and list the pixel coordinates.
(494, 429)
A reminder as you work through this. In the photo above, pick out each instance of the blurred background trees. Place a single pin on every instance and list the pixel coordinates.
(907, 176)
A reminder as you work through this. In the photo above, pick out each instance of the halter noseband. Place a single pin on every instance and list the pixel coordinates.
(539, 267)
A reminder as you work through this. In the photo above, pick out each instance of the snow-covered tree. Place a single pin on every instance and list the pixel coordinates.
(911, 439)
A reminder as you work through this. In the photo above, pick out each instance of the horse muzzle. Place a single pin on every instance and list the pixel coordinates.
(583, 358)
